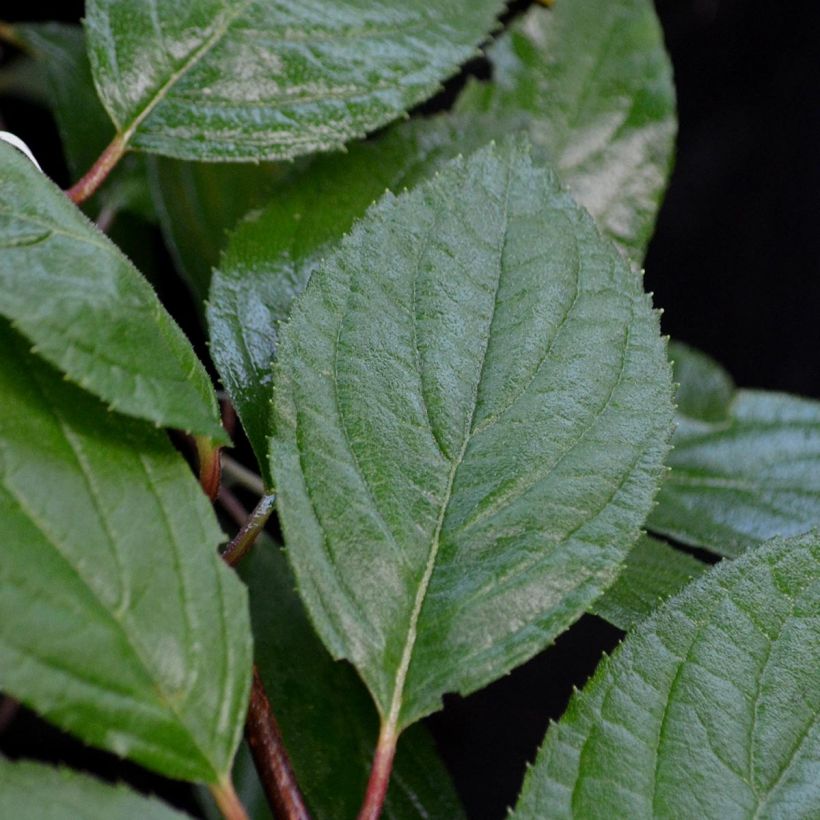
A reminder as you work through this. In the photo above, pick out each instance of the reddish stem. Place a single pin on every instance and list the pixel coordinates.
(379, 774)
(96, 175)
(271, 759)
(210, 465)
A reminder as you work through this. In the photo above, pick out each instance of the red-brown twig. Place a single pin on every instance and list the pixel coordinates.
(96, 175)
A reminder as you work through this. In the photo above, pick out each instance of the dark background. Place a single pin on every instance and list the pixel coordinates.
(735, 263)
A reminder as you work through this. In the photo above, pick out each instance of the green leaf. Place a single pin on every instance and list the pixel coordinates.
(118, 621)
(471, 411)
(326, 717)
(32, 791)
(84, 125)
(249, 80)
(271, 255)
(745, 465)
(592, 83)
(708, 709)
(654, 571)
(87, 310)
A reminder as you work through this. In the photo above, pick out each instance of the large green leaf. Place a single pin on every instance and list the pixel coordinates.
(654, 571)
(32, 791)
(471, 410)
(271, 255)
(710, 708)
(745, 465)
(268, 79)
(118, 621)
(198, 202)
(325, 714)
(591, 81)
(84, 125)
(66, 287)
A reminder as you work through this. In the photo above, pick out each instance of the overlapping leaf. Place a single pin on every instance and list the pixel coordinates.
(745, 464)
(254, 79)
(709, 709)
(87, 310)
(471, 411)
(654, 571)
(327, 720)
(118, 621)
(31, 791)
(592, 83)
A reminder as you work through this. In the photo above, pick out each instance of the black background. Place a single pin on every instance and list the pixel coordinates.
(735, 263)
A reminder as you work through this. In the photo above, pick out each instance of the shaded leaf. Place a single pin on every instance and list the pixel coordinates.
(592, 83)
(118, 621)
(708, 709)
(89, 311)
(32, 791)
(653, 571)
(327, 720)
(471, 410)
(250, 80)
(745, 465)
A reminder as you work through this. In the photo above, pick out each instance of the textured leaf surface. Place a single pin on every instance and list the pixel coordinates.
(271, 255)
(745, 465)
(262, 79)
(198, 203)
(89, 311)
(118, 622)
(325, 714)
(471, 411)
(84, 125)
(653, 571)
(709, 708)
(31, 791)
(592, 83)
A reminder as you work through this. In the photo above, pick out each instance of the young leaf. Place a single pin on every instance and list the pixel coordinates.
(271, 255)
(118, 621)
(709, 708)
(250, 80)
(32, 791)
(471, 412)
(87, 310)
(745, 465)
(653, 571)
(326, 717)
(592, 83)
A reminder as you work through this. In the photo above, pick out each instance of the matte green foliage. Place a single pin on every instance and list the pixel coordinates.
(466, 494)
(31, 791)
(592, 83)
(327, 719)
(118, 622)
(653, 571)
(745, 463)
(710, 708)
(87, 310)
(268, 79)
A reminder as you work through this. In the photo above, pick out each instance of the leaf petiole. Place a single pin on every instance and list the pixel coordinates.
(87, 186)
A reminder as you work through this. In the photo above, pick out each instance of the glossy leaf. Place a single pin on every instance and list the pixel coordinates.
(709, 708)
(653, 571)
(87, 310)
(471, 410)
(250, 80)
(325, 714)
(745, 465)
(32, 791)
(271, 255)
(84, 125)
(198, 203)
(118, 621)
(592, 84)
